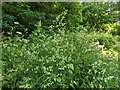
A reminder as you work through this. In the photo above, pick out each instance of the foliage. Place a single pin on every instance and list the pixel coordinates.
(62, 60)
(98, 13)
(106, 39)
(29, 14)
(21, 19)
(49, 45)
(109, 28)
(94, 16)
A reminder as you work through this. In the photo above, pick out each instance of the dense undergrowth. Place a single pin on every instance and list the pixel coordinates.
(56, 47)
(63, 60)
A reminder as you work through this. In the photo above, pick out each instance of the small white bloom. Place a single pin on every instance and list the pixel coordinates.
(18, 32)
(16, 22)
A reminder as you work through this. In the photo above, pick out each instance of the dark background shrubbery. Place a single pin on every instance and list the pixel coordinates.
(28, 14)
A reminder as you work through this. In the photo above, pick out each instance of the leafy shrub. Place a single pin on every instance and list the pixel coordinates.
(28, 14)
(96, 14)
(19, 12)
(62, 60)
(110, 41)
(109, 28)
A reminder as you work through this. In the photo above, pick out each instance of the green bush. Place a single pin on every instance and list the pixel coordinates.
(97, 14)
(106, 39)
(62, 60)
(18, 17)
(28, 14)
